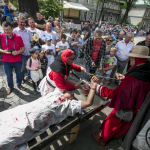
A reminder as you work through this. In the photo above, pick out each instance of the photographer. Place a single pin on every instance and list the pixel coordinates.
(11, 47)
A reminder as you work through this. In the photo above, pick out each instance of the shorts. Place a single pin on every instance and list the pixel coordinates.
(105, 75)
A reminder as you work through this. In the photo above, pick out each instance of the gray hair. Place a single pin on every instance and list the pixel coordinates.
(129, 33)
(121, 32)
(99, 32)
(21, 17)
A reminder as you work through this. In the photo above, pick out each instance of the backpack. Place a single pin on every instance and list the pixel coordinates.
(3, 19)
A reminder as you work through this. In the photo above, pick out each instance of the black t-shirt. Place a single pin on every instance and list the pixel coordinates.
(41, 22)
(85, 30)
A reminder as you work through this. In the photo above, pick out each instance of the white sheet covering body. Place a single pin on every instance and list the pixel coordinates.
(23, 123)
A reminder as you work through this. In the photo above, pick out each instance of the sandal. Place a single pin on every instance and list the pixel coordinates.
(99, 139)
(22, 88)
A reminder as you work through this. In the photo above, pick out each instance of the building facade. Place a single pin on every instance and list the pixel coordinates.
(110, 13)
(146, 18)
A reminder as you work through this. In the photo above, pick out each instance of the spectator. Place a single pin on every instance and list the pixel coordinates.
(146, 42)
(39, 22)
(114, 33)
(7, 9)
(62, 45)
(74, 42)
(120, 36)
(8, 18)
(51, 21)
(63, 30)
(14, 24)
(70, 26)
(94, 52)
(123, 47)
(57, 34)
(56, 23)
(82, 25)
(26, 16)
(86, 31)
(44, 61)
(109, 64)
(48, 32)
(49, 50)
(27, 40)
(33, 30)
(11, 59)
(109, 39)
(34, 65)
(80, 39)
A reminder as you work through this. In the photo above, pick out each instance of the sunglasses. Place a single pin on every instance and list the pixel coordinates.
(72, 59)
(110, 40)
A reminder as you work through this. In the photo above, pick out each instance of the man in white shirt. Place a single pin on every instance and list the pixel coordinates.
(34, 31)
(62, 45)
(123, 47)
(70, 26)
(48, 32)
(27, 40)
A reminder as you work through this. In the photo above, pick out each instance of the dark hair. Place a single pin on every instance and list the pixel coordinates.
(5, 1)
(63, 36)
(14, 24)
(79, 31)
(74, 30)
(11, 11)
(86, 22)
(6, 24)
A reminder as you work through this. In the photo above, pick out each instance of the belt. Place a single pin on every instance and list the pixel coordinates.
(120, 60)
(50, 83)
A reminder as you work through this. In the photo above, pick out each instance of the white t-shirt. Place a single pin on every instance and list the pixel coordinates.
(71, 25)
(49, 56)
(57, 36)
(62, 45)
(52, 35)
(34, 31)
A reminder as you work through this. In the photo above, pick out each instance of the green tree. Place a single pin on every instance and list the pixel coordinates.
(128, 5)
(50, 8)
(15, 3)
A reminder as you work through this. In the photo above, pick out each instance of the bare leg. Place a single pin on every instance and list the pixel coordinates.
(106, 83)
(100, 80)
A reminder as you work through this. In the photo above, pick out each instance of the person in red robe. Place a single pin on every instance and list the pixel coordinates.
(58, 73)
(129, 95)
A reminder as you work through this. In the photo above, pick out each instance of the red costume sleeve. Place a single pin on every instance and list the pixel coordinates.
(60, 81)
(76, 67)
(130, 93)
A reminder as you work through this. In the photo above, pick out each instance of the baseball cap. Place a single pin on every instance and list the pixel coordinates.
(47, 38)
(33, 50)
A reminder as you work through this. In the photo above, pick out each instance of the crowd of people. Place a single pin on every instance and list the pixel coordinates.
(43, 49)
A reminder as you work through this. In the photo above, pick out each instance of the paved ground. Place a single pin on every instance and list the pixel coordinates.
(84, 140)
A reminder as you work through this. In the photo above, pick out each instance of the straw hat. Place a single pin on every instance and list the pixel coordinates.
(139, 52)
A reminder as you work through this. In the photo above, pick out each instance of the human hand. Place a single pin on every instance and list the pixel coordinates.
(94, 83)
(39, 67)
(36, 69)
(100, 68)
(52, 53)
(46, 51)
(83, 69)
(84, 86)
(93, 64)
(6, 52)
(14, 53)
(9, 7)
(120, 76)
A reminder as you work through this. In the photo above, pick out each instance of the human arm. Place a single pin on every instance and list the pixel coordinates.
(109, 68)
(85, 36)
(30, 68)
(6, 9)
(76, 67)
(42, 26)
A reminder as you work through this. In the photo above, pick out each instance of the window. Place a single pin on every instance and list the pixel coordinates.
(93, 2)
(147, 13)
(77, 1)
(116, 18)
(109, 5)
(105, 5)
(114, 6)
(91, 15)
(87, 1)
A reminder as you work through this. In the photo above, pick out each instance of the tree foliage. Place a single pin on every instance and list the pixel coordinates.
(50, 8)
(15, 3)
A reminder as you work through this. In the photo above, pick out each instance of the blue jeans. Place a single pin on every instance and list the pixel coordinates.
(8, 14)
(24, 60)
(70, 30)
(8, 69)
(88, 69)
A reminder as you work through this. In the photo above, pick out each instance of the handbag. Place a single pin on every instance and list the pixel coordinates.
(125, 115)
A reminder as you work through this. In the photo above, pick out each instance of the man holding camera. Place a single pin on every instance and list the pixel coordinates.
(11, 46)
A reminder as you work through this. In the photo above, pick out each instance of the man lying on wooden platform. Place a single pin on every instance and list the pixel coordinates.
(23, 123)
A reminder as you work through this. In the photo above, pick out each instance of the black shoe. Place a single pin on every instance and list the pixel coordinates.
(23, 81)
